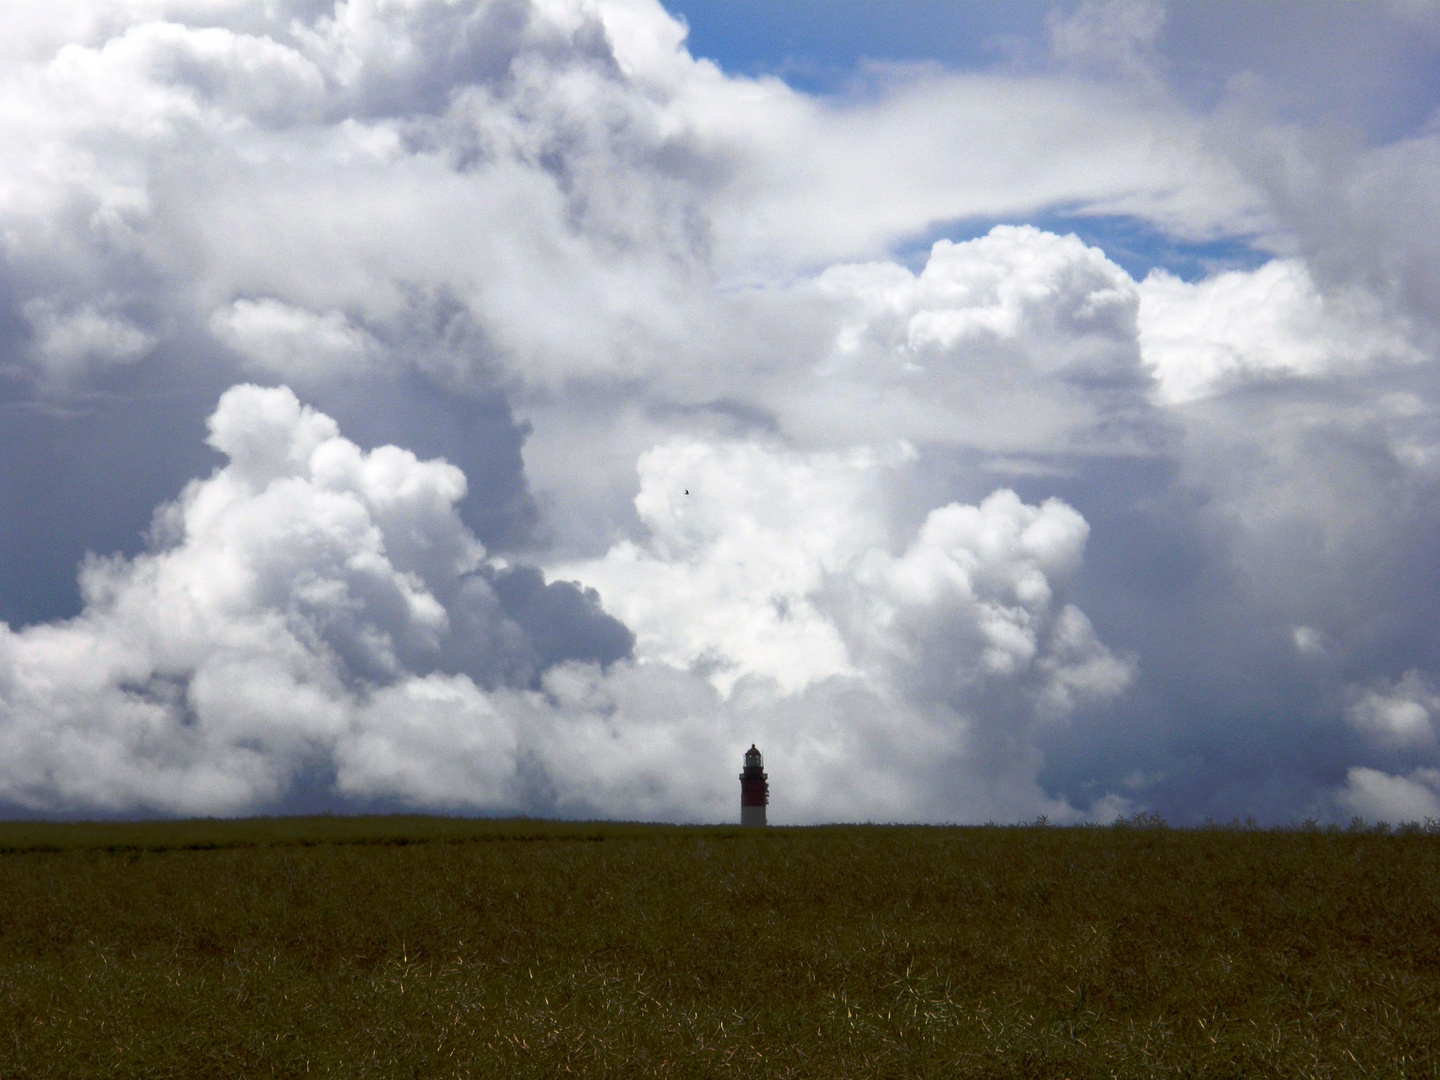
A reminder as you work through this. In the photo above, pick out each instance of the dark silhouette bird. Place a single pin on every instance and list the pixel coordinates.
(687, 491)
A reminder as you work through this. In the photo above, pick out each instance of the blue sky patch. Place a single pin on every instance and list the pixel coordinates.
(817, 46)
(1130, 242)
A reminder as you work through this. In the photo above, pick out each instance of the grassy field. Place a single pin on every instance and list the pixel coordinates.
(400, 947)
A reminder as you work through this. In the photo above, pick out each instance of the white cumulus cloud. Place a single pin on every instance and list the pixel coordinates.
(314, 609)
(776, 566)
(1381, 796)
(288, 590)
(70, 343)
(280, 339)
(1270, 323)
(1400, 714)
(1020, 340)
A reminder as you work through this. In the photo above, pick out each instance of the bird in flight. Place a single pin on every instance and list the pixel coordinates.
(687, 491)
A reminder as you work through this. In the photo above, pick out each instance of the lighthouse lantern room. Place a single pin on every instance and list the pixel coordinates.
(754, 789)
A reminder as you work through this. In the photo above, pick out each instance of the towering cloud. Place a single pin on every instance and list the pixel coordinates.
(308, 606)
(312, 613)
(983, 519)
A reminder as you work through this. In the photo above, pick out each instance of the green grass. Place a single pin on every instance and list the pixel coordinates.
(427, 947)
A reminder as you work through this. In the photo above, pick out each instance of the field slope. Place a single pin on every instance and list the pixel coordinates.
(428, 947)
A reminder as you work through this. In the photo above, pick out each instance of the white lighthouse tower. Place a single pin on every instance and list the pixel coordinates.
(754, 788)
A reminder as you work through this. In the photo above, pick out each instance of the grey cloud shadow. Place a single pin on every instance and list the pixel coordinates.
(85, 472)
(1227, 717)
(474, 431)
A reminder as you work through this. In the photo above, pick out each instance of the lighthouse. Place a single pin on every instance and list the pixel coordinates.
(754, 789)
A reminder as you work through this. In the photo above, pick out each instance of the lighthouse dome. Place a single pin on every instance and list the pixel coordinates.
(753, 758)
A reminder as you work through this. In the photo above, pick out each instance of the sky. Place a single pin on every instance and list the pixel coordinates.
(521, 407)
